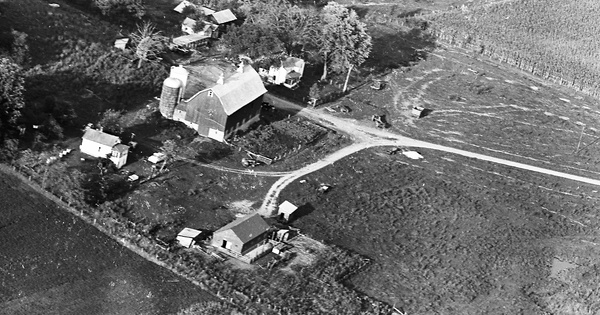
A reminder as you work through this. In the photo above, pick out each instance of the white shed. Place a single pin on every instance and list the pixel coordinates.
(286, 210)
(187, 237)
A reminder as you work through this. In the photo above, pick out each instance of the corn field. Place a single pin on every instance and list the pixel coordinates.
(553, 39)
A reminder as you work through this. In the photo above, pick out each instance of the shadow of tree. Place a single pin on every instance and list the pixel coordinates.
(394, 50)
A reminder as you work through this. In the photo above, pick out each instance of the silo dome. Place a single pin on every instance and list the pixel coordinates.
(169, 98)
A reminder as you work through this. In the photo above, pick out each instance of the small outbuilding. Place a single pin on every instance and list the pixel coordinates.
(223, 17)
(286, 211)
(121, 43)
(188, 237)
(103, 145)
(242, 235)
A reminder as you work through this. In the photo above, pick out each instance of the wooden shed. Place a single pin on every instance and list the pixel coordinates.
(242, 235)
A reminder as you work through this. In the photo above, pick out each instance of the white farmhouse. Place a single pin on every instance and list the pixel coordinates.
(288, 73)
(103, 145)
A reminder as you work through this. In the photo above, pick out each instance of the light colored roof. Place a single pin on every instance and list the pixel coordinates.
(293, 75)
(101, 137)
(287, 207)
(121, 43)
(188, 232)
(179, 8)
(246, 228)
(224, 16)
(189, 22)
(239, 89)
(187, 39)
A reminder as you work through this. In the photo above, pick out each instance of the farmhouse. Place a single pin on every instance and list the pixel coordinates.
(242, 235)
(103, 145)
(230, 104)
(288, 73)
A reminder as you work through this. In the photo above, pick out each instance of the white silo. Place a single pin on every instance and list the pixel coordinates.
(169, 98)
(180, 73)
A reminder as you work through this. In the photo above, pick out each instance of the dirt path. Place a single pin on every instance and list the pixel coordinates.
(234, 170)
(365, 137)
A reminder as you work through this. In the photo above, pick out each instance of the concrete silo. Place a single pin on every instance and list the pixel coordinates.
(169, 98)
(182, 74)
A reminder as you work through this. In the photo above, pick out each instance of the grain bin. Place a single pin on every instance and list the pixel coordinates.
(169, 96)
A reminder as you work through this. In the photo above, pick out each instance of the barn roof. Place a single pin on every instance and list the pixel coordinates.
(239, 89)
(224, 16)
(246, 228)
(101, 137)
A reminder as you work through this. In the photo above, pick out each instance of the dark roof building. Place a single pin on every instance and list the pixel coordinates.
(242, 235)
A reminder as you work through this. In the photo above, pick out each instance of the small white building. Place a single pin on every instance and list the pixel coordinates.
(209, 29)
(223, 17)
(286, 210)
(103, 145)
(188, 237)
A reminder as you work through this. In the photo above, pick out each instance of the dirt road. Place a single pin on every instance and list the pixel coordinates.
(365, 136)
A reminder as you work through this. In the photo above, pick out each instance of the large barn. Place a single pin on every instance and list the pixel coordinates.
(231, 103)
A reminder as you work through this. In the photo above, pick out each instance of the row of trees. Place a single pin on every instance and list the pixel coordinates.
(334, 35)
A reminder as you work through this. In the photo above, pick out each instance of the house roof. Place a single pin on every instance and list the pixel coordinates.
(187, 39)
(189, 232)
(292, 62)
(121, 148)
(239, 89)
(293, 75)
(246, 228)
(224, 16)
(101, 137)
(287, 207)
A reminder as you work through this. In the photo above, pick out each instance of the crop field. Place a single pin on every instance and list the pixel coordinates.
(53, 263)
(554, 39)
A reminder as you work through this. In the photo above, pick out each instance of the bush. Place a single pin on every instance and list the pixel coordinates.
(121, 7)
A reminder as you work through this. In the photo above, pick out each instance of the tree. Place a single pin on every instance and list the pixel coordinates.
(11, 97)
(292, 25)
(149, 44)
(251, 40)
(135, 8)
(345, 41)
(111, 122)
(19, 50)
(169, 150)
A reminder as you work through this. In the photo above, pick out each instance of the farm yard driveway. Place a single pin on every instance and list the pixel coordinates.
(366, 137)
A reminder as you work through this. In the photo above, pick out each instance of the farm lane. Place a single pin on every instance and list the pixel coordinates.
(366, 137)
(233, 170)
